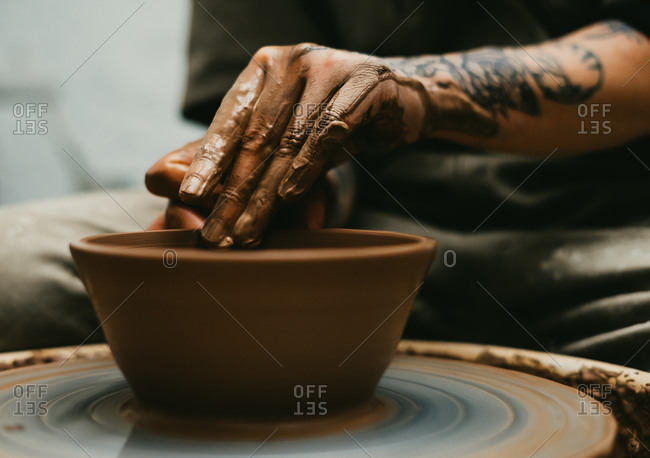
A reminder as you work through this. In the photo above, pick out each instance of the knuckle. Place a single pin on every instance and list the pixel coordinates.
(255, 137)
(328, 117)
(210, 152)
(375, 70)
(300, 50)
(382, 69)
(231, 196)
(285, 152)
(291, 143)
(261, 200)
(195, 175)
(330, 130)
(264, 53)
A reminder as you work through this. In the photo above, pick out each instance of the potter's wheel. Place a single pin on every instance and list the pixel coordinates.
(431, 407)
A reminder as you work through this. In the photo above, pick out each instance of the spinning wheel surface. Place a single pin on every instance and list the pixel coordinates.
(430, 407)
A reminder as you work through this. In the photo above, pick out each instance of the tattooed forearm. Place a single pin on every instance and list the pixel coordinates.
(609, 29)
(499, 80)
(556, 84)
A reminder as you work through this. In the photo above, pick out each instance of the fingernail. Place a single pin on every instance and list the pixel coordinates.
(285, 188)
(289, 186)
(250, 243)
(226, 242)
(291, 189)
(192, 185)
(245, 233)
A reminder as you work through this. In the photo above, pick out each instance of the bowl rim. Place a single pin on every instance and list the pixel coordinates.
(418, 244)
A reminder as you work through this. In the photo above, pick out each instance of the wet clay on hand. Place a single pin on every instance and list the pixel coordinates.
(296, 111)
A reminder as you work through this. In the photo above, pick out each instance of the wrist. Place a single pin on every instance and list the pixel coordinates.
(447, 105)
(454, 111)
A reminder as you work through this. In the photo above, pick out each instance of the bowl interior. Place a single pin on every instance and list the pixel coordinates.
(281, 240)
(278, 247)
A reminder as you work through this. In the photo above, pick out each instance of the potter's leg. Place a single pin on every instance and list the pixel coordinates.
(559, 259)
(42, 301)
(581, 292)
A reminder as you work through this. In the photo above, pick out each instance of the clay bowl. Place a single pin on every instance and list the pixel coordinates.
(307, 323)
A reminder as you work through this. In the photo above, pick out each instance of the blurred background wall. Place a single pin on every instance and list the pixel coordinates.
(103, 80)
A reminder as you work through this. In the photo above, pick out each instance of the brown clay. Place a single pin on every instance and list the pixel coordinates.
(212, 428)
(244, 328)
(552, 418)
(624, 390)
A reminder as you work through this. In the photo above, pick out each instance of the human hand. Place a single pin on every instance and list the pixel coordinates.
(164, 179)
(165, 176)
(292, 113)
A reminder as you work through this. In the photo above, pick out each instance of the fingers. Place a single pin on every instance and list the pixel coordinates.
(181, 216)
(263, 203)
(177, 216)
(258, 145)
(357, 101)
(158, 223)
(313, 207)
(260, 207)
(165, 176)
(229, 123)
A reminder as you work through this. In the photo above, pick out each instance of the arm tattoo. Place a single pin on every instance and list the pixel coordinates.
(500, 79)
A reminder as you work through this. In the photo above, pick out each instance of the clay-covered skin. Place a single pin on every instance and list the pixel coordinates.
(292, 113)
(295, 111)
(164, 179)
